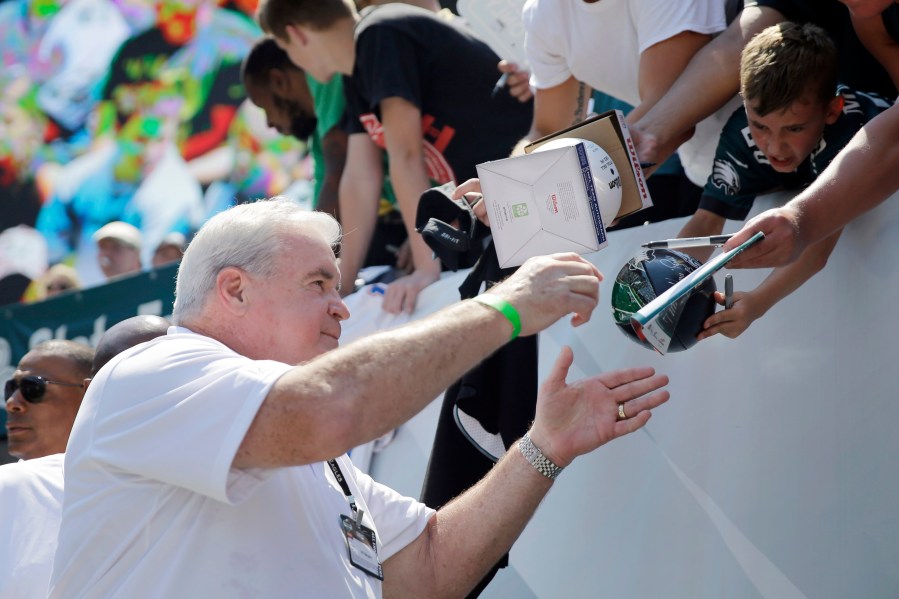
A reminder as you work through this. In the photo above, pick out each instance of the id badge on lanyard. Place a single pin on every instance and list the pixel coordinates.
(361, 541)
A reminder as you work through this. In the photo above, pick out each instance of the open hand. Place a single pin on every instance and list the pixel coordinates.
(574, 419)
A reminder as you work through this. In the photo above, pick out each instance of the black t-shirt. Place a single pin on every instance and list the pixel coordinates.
(445, 71)
(856, 67)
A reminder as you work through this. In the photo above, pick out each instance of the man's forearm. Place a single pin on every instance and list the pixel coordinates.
(785, 280)
(863, 174)
(359, 217)
(459, 547)
(334, 153)
(710, 79)
(355, 394)
(410, 180)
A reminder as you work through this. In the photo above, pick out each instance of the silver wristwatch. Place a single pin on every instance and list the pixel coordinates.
(536, 458)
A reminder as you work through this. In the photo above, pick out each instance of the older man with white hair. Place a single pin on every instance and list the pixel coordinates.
(211, 461)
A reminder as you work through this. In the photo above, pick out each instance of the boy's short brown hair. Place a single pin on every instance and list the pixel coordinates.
(275, 15)
(784, 62)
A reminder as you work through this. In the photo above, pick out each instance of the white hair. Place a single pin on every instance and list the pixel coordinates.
(248, 236)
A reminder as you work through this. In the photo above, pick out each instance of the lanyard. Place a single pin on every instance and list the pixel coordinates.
(343, 485)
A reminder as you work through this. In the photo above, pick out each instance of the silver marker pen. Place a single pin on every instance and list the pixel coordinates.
(689, 242)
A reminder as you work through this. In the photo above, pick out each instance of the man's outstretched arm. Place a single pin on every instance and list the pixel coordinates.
(711, 79)
(466, 538)
(351, 395)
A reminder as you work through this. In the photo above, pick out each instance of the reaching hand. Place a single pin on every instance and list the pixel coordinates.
(780, 246)
(518, 82)
(402, 293)
(732, 322)
(546, 288)
(653, 148)
(574, 419)
(471, 191)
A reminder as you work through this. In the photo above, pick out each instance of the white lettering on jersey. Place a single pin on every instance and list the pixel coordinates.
(750, 143)
(851, 104)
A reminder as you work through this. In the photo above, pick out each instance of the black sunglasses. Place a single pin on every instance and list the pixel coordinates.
(33, 387)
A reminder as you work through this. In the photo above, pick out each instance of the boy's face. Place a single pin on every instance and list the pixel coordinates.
(787, 137)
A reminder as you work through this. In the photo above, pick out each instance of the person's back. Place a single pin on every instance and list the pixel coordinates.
(449, 74)
(419, 87)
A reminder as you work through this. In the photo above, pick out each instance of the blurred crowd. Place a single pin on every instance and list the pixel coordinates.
(127, 125)
(128, 111)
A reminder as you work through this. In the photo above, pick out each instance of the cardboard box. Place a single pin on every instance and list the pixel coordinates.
(610, 131)
(542, 203)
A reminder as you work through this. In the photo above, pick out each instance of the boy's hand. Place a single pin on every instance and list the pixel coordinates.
(731, 323)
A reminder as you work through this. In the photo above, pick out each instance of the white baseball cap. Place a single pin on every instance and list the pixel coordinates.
(120, 231)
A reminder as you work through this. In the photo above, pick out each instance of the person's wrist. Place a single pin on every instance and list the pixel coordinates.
(545, 443)
(507, 310)
(429, 265)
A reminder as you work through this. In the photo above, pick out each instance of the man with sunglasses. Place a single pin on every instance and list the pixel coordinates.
(31, 491)
(43, 396)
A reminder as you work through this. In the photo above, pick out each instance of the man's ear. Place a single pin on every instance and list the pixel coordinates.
(834, 108)
(296, 34)
(231, 289)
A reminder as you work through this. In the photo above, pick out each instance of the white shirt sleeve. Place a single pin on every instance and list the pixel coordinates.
(545, 45)
(176, 411)
(658, 20)
(399, 520)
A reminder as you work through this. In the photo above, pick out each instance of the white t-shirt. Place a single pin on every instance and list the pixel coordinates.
(30, 505)
(154, 509)
(601, 43)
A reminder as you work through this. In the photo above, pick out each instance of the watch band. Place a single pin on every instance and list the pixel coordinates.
(536, 458)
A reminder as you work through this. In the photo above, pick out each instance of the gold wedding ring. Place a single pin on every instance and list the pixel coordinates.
(621, 414)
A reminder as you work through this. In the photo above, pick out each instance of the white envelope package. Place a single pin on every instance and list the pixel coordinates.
(543, 203)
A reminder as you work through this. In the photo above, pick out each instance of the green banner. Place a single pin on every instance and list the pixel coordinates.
(82, 315)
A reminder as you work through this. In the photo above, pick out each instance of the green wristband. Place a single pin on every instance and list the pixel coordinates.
(504, 308)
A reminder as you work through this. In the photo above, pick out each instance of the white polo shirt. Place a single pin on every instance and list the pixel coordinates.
(153, 508)
(30, 506)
